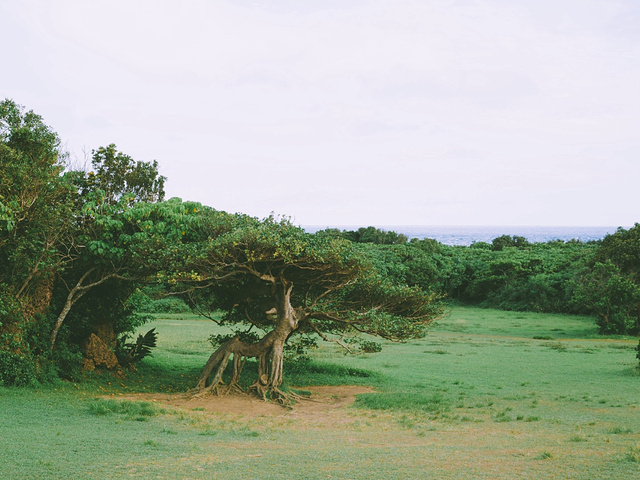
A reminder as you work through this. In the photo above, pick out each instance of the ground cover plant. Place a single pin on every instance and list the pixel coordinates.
(487, 394)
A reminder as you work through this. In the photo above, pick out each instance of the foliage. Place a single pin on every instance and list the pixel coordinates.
(612, 296)
(35, 208)
(500, 243)
(367, 235)
(152, 298)
(217, 339)
(117, 175)
(622, 249)
(535, 277)
(105, 267)
(61, 236)
(328, 274)
(368, 346)
(16, 370)
(132, 352)
(167, 305)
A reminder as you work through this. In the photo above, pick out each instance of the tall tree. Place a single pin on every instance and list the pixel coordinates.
(610, 295)
(622, 249)
(104, 220)
(273, 277)
(36, 202)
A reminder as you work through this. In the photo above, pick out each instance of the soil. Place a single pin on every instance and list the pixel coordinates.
(323, 401)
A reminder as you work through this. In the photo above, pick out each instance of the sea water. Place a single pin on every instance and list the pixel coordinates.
(466, 235)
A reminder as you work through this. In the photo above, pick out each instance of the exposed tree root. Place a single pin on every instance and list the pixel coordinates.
(268, 351)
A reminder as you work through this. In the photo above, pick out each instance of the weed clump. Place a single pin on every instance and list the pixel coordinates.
(633, 454)
(620, 430)
(545, 455)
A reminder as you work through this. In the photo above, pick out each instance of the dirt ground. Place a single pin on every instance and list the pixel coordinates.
(324, 403)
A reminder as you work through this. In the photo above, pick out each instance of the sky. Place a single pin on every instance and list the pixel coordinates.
(349, 112)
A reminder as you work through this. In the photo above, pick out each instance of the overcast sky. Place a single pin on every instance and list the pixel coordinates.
(350, 112)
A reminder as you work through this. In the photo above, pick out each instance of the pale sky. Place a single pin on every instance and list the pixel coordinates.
(349, 112)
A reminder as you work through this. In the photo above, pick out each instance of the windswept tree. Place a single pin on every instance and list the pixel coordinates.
(272, 277)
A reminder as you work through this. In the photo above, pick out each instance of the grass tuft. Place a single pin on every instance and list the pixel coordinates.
(136, 410)
(633, 454)
(620, 430)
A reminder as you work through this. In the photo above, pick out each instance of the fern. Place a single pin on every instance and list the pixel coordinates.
(133, 352)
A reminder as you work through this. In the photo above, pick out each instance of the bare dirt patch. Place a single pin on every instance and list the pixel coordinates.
(323, 400)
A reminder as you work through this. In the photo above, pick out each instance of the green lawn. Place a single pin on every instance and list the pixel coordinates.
(487, 394)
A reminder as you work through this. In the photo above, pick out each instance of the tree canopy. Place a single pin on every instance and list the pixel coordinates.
(272, 277)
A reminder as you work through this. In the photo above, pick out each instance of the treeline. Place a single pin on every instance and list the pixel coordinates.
(599, 278)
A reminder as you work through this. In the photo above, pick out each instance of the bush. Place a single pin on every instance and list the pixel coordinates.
(371, 347)
(167, 305)
(129, 353)
(16, 370)
(66, 363)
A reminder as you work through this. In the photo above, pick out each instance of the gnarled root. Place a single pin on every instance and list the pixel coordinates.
(270, 357)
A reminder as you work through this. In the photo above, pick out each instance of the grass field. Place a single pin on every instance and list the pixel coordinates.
(487, 394)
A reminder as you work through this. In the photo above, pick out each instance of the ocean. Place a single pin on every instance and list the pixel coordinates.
(466, 235)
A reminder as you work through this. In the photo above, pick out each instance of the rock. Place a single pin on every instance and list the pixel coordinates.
(98, 354)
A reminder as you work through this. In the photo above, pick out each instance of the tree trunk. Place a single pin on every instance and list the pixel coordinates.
(269, 351)
(76, 294)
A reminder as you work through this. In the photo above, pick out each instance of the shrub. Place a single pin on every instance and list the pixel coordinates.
(167, 305)
(371, 347)
(16, 370)
(129, 353)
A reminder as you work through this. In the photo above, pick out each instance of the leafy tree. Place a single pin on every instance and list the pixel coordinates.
(273, 278)
(106, 218)
(36, 202)
(499, 243)
(367, 235)
(612, 296)
(622, 249)
(116, 174)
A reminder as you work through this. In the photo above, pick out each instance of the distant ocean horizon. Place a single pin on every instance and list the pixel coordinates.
(467, 235)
